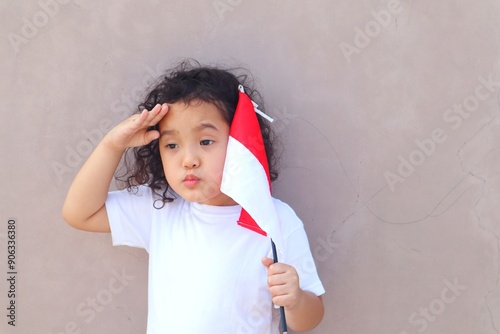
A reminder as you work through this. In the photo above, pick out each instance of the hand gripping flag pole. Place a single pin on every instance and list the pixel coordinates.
(246, 177)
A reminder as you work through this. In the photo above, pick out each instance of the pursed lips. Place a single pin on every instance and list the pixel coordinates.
(190, 180)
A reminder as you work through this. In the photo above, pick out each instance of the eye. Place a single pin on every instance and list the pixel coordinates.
(206, 142)
(172, 146)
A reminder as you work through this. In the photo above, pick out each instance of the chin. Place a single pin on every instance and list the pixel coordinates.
(196, 198)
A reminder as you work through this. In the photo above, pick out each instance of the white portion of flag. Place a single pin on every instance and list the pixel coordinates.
(245, 181)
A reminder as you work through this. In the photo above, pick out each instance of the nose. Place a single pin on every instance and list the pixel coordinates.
(191, 158)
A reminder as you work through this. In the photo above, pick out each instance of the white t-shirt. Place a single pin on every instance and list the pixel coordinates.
(205, 271)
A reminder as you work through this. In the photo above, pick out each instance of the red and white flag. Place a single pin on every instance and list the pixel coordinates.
(246, 177)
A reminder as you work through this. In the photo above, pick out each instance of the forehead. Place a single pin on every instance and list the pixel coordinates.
(187, 116)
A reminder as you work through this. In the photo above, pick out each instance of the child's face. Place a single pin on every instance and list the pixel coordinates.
(192, 146)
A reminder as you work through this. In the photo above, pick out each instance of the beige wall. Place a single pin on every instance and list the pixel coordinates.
(391, 135)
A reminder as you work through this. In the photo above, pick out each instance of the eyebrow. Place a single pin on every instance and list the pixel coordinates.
(168, 132)
(205, 125)
(198, 128)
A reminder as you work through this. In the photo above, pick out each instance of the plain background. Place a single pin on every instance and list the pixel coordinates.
(389, 116)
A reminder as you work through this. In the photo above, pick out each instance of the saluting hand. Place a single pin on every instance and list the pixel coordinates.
(133, 131)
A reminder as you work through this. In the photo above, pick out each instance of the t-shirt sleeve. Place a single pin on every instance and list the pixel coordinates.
(298, 253)
(130, 217)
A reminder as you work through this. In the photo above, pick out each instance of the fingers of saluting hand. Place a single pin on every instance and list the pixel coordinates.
(133, 131)
(150, 118)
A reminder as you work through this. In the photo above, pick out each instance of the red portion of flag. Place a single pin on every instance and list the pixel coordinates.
(245, 128)
(248, 222)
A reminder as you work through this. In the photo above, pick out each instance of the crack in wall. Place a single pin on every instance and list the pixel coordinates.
(477, 213)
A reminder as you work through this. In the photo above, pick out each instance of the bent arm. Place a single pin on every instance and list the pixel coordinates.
(306, 314)
(84, 207)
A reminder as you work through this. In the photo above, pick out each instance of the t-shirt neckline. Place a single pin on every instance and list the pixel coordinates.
(214, 212)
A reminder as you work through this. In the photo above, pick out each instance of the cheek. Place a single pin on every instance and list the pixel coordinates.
(167, 166)
(217, 167)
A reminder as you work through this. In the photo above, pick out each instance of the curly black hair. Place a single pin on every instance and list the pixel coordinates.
(189, 82)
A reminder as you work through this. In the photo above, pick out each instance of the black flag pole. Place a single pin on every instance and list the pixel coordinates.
(282, 309)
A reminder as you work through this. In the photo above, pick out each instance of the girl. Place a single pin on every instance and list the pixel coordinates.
(206, 273)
